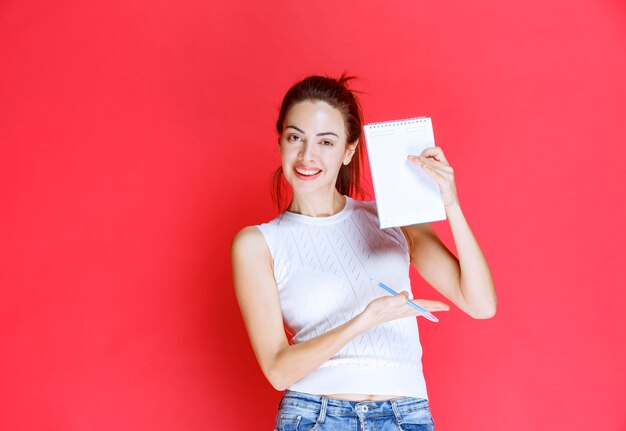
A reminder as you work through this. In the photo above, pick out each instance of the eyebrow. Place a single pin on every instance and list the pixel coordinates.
(319, 134)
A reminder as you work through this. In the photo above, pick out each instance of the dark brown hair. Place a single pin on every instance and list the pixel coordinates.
(336, 93)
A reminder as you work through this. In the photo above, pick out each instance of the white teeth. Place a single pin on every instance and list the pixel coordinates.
(307, 172)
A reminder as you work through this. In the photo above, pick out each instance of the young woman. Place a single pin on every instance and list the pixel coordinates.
(354, 361)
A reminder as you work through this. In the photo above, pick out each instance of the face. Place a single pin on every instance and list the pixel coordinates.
(313, 146)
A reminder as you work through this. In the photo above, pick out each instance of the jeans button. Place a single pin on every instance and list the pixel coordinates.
(365, 408)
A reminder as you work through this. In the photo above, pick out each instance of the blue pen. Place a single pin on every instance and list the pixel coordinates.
(427, 314)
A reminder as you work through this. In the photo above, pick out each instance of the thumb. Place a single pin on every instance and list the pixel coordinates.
(405, 295)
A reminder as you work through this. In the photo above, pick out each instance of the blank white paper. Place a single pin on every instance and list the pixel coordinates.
(405, 194)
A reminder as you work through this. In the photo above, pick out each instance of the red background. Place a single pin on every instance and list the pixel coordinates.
(138, 137)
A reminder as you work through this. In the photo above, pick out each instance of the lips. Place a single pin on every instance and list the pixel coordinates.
(307, 172)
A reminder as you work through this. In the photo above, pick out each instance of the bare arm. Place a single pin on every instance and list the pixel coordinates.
(257, 294)
(466, 281)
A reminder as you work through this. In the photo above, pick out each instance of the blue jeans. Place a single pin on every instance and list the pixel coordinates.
(298, 411)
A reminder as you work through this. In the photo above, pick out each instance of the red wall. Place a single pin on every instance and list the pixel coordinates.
(137, 138)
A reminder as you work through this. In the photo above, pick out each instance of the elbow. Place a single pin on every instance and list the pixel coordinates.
(485, 308)
(279, 386)
(275, 375)
(485, 312)
(277, 381)
(277, 371)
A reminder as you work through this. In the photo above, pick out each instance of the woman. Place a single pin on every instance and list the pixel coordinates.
(355, 355)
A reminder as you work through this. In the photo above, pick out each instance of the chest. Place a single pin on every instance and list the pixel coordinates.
(324, 272)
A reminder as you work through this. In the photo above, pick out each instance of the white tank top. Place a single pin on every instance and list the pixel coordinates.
(322, 267)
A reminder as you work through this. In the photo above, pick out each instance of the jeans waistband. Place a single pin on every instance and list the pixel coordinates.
(323, 405)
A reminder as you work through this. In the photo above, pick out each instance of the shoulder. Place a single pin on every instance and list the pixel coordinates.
(249, 240)
(364, 204)
(368, 207)
(248, 233)
(256, 236)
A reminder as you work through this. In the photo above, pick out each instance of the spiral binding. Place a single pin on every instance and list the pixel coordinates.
(406, 121)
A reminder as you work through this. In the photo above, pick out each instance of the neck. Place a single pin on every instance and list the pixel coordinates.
(317, 205)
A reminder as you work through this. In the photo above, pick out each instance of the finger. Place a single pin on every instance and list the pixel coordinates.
(418, 158)
(412, 312)
(432, 305)
(414, 158)
(423, 162)
(432, 172)
(435, 164)
(435, 153)
(440, 174)
(403, 296)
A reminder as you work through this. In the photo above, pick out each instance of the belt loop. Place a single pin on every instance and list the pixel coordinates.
(396, 412)
(322, 417)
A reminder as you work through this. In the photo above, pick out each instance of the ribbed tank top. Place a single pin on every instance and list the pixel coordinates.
(322, 268)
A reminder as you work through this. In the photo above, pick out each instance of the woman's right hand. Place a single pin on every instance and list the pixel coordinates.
(387, 308)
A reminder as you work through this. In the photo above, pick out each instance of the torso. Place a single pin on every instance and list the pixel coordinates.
(303, 276)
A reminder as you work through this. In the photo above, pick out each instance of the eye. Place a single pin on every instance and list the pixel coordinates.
(328, 143)
(293, 138)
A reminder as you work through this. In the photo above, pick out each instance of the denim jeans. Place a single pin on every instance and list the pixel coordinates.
(298, 411)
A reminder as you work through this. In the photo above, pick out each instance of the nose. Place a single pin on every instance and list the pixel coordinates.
(307, 152)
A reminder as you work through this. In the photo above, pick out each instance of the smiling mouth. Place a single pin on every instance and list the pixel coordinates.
(308, 172)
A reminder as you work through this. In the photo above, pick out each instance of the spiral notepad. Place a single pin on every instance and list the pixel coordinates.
(405, 194)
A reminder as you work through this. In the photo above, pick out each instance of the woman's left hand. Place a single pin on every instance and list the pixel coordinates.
(435, 164)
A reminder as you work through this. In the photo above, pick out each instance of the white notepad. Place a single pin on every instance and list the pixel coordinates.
(405, 194)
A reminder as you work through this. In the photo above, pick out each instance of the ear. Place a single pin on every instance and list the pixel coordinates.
(350, 150)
